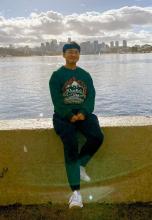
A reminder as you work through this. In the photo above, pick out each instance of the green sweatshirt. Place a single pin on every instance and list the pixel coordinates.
(72, 90)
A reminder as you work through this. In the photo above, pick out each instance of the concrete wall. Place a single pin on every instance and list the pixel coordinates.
(32, 162)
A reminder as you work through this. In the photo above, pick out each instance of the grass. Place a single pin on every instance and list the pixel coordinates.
(92, 211)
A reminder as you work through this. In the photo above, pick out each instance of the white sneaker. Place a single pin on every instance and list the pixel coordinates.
(75, 200)
(83, 174)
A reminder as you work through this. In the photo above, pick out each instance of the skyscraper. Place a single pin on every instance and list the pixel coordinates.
(69, 39)
(124, 44)
(95, 46)
(117, 44)
(112, 44)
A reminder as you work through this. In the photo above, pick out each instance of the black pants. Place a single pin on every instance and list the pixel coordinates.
(67, 131)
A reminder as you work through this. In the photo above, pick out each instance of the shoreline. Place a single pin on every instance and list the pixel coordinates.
(58, 55)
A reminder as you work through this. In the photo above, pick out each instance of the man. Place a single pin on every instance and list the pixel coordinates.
(73, 96)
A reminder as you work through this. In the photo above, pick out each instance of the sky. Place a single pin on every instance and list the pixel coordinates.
(30, 22)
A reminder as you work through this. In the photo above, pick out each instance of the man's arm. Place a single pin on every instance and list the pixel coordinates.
(55, 90)
(88, 105)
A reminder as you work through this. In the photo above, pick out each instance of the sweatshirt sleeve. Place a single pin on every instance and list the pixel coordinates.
(55, 90)
(88, 105)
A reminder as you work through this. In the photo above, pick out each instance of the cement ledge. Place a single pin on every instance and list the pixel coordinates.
(32, 166)
(46, 123)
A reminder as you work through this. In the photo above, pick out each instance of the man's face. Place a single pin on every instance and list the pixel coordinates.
(71, 55)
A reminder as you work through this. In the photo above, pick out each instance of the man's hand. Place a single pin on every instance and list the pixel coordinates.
(81, 116)
(77, 117)
(74, 118)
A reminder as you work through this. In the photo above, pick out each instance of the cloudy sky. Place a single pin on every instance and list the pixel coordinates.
(30, 22)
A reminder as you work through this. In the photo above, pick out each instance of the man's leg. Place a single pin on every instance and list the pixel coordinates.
(67, 132)
(91, 130)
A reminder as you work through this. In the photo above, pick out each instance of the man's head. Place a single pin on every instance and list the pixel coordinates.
(71, 52)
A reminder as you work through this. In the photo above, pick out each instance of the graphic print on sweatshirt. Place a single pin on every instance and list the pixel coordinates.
(74, 91)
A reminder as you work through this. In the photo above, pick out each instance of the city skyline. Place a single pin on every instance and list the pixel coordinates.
(28, 23)
(55, 48)
(61, 43)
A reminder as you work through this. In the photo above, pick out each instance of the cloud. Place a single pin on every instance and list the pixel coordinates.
(109, 25)
(113, 20)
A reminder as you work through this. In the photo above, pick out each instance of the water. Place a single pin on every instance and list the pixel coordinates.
(123, 84)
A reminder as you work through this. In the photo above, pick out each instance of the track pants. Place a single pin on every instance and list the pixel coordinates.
(67, 131)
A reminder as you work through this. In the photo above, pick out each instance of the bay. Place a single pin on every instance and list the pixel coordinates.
(123, 84)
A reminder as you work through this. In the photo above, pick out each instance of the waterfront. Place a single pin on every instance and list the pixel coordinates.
(122, 81)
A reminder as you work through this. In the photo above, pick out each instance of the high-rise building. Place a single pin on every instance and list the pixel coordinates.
(69, 39)
(95, 46)
(53, 45)
(112, 44)
(47, 45)
(85, 47)
(124, 43)
(43, 48)
(103, 45)
(117, 44)
(11, 46)
(60, 46)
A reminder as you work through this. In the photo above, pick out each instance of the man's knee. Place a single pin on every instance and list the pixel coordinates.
(95, 143)
(99, 139)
